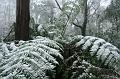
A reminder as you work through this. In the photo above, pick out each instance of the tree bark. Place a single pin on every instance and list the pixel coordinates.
(22, 20)
(84, 25)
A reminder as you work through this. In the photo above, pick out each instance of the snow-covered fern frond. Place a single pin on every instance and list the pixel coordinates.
(90, 57)
(107, 53)
(30, 60)
(76, 39)
(48, 42)
(3, 50)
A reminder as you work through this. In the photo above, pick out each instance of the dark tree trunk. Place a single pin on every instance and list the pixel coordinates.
(22, 20)
(84, 25)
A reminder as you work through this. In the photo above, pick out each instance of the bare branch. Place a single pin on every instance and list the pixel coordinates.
(58, 5)
(77, 25)
(67, 14)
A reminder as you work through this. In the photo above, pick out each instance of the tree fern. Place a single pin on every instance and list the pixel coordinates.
(91, 58)
(100, 49)
(31, 60)
(3, 50)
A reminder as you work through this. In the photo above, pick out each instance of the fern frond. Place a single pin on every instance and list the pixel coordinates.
(99, 48)
(4, 49)
(31, 59)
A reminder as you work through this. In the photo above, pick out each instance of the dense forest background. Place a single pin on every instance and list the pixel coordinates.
(59, 39)
(101, 21)
(98, 21)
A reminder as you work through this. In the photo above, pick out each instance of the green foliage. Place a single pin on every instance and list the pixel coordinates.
(99, 48)
(84, 58)
(34, 59)
(111, 35)
(43, 13)
(70, 10)
(112, 12)
(33, 28)
(89, 58)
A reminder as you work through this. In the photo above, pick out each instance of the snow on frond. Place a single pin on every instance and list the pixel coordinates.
(44, 38)
(30, 60)
(3, 49)
(89, 42)
(96, 46)
(82, 69)
(76, 39)
(79, 37)
(47, 42)
(12, 46)
(99, 48)
(21, 42)
(82, 41)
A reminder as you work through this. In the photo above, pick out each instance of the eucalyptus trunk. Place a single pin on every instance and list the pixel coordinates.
(22, 20)
(84, 25)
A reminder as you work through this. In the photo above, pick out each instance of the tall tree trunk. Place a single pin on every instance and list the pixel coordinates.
(84, 25)
(22, 20)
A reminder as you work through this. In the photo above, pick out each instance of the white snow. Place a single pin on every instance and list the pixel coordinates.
(33, 57)
(104, 51)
